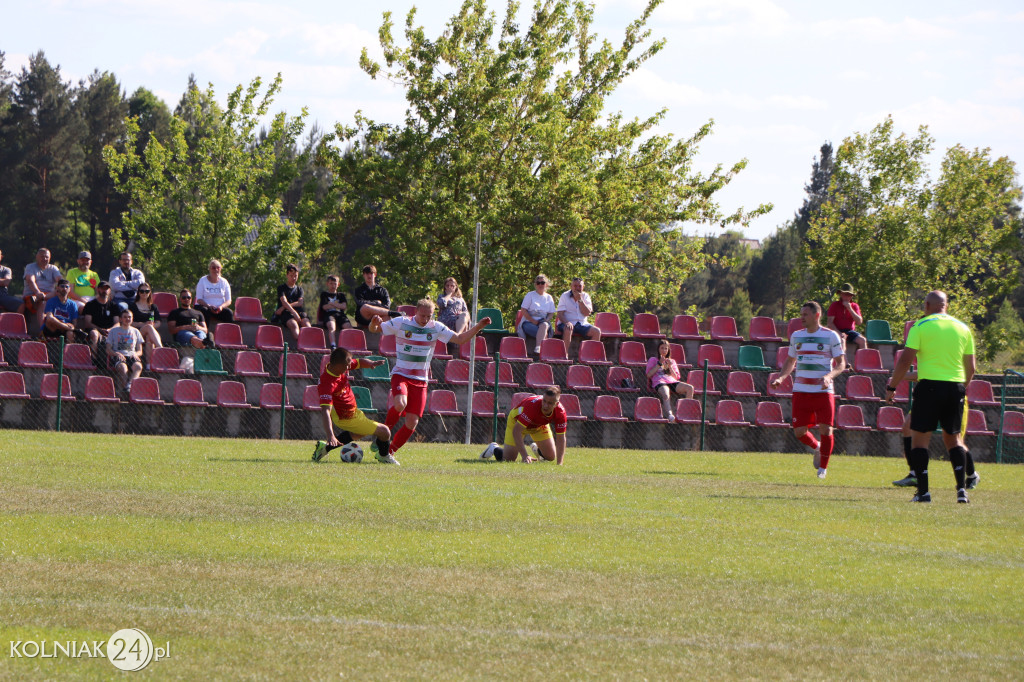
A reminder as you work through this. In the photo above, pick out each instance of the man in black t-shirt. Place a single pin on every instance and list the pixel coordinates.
(291, 312)
(331, 312)
(186, 325)
(372, 299)
(99, 315)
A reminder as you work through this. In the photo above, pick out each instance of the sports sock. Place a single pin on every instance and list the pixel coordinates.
(345, 437)
(383, 445)
(809, 440)
(827, 442)
(392, 418)
(968, 464)
(956, 457)
(398, 440)
(919, 460)
(499, 454)
(907, 440)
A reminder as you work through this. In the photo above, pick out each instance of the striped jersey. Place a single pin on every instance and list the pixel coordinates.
(813, 352)
(415, 345)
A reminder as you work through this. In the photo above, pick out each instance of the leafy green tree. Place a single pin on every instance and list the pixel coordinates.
(506, 126)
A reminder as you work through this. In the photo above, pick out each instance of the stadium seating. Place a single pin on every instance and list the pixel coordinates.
(378, 374)
(741, 384)
(497, 325)
(785, 390)
(580, 378)
(232, 394)
(313, 340)
(678, 353)
(902, 392)
(878, 333)
(209, 361)
(730, 413)
(648, 411)
(145, 391)
(685, 327)
(518, 398)
(311, 399)
(762, 330)
(269, 337)
(979, 394)
(571, 404)
(480, 343)
(100, 389)
(647, 326)
(386, 346)
(270, 397)
(696, 379)
(607, 408)
(165, 361)
(4, 364)
(165, 302)
(859, 387)
(906, 329)
(441, 351)
(189, 393)
(48, 388)
(781, 355)
(715, 356)
(443, 403)
(12, 386)
(483, 404)
(1013, 423)
(868, 361)
(249, 363)
(456, 372)
(751, 359)
(78, 356)
(609, 325)
(621, 380)
(552, 351)
(976, 424)
(795, 324)
(297, 367)
(364, 401)
(890, 418)
(229, 337)
(688, 411)
(248, 309)
(851, 418)
(769, 414)
(505, 379)
(513, 349)
(12, 326)
(633, 354)
(723, 328)
(33, 355)
(539, 375)
(407, 310)
(592, 353)
(354, 340)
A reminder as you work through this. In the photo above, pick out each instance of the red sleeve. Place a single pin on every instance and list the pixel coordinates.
(560, 419)
(833, 309)
(353, 365)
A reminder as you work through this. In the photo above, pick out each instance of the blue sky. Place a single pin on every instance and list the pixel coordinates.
(778, 78)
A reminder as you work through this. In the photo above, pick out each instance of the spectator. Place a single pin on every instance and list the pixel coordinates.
(213, 296)
(451, 306)
(186, 325)
(665, 379)
(291, 313)
(83, 280)
(98, 316)
(124, 350)
(538, 311)
(146, 318)
(40, 284)
(60, 314)
(573, 308)
(125, 280)
(11, 304)
(844, 315)
(330, 314)
(372, 299)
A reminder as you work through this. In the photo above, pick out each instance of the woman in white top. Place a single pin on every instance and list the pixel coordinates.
(213, 296)
(538, 311)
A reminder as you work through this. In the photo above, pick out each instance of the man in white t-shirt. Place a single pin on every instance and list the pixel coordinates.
(574, 306)
(213, 296)
(124, 350)
(538, 312)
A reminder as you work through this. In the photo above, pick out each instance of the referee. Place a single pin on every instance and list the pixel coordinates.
(943, 348)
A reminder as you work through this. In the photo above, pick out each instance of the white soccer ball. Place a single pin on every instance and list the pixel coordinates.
(352, 453)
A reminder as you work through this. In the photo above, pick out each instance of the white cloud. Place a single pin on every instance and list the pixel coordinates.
(961, 119)
(876, 30)
(798, 102)
(855, 75)
(325, 40)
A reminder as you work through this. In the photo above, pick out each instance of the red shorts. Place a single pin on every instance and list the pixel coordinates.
(810, 409)
(415, 391)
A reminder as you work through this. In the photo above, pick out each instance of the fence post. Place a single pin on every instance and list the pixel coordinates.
(703, 405)
(497, 380)
(60, 381)
(284, 387)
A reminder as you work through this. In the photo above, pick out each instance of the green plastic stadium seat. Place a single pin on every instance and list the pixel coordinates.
(381, 373)
(363, 401)
(878, 333)
(209, 361)
(497, 325)
(752, 359)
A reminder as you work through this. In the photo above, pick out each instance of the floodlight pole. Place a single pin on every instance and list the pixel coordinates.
(472, 348)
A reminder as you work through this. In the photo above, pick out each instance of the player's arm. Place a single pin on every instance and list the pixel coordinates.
(787, 369)
(370, 364)
(907, 358)
(517, 435)
(467, 334)
(375, 323)
(325, 419)
(838, 367)
(559, 448)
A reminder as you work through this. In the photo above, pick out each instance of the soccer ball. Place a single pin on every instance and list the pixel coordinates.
(352, 453)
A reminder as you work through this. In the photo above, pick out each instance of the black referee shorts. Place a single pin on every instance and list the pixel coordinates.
(938, 403)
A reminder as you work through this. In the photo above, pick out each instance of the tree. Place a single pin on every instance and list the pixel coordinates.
(203, 193)
(504, 127)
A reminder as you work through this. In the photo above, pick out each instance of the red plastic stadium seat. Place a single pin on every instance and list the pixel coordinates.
(851, 418)
(441, 351)
(794, 324)
(723, 328)
(592, 353)
(33, 354)
(12, 386)
(868, 361)
(609, 325)
(686, 327)
(387, 347)
(632, 354)
(763, 329)
(100, 389)
(232, 394)
(312, 340)
(979, 394)
(483, 404)
(269, 337)
(647, 326)
(621, 380)
(270, 397)
(248, 309)
(297, 367)
(696, 379)
(189, 392)
(504, 378)
(444, 403)
(741, 384)
(407, 310)
(229, 337)
(518, 398)
(249, 363)
(311, 399)
(571, 403)
(770, 415)
(976, 424)
(4, 364)
(165, 302)
(906, 329)
(540, 375)
(145, 391)
(783, 391)
(902, 392)
(1013, 424)
(607, 408)
(678, 353)
(648, 411)
(12, 326)
(688, 411)
(730, 413)
(513, 349)
(48, 389)
(715, 356)
(78, 356)
(890, 418)
(456, 372)
(481, 348)
(354, 340)
(580, 378)
(859, 387)
(781, 355)
(552, 351)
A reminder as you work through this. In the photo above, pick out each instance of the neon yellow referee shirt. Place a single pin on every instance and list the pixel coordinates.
(941, 343)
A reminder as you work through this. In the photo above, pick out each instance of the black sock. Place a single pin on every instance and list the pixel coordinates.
(384, 447)
(345, 438)
(499, 454)
(906, 451)
(919, 460)
(956, 457)
(968, 464)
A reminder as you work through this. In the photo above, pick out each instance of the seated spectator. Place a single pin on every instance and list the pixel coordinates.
(11, 304)
(124, 350)
(83, 280)
(186, 325)
(665, 379)
(372, 299)
(213, 296)
(60, 313)
(452, 310)
(146, 318)
(330, 314)
(291, 311)
(538, 312)
(40, 285)
(125, 281)
(844, 315)
(573, 308)
(98, 316)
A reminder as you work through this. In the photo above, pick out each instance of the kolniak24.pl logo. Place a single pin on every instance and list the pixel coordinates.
(129, 649)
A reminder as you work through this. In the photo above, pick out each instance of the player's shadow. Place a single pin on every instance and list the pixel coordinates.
(787, 498)
(682, 473)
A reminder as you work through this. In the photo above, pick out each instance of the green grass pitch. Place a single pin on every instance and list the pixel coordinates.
(255, 563)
